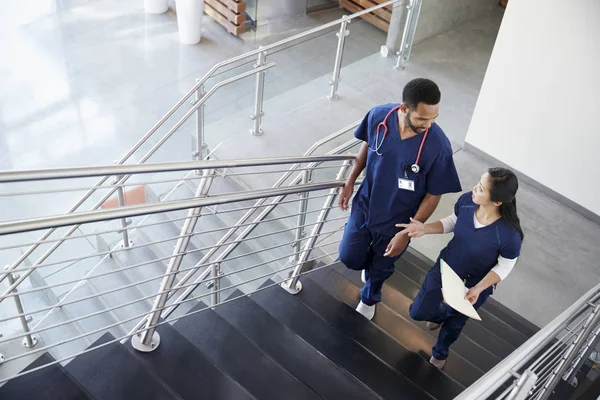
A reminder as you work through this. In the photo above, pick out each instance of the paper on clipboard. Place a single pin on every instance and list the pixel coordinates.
(454, 290)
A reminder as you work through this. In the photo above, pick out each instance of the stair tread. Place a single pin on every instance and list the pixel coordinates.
(458, 368)
(112, 373)
(49, 383)
(234, 354)
(187, 371)
(323, 322)
(477, 345)
(508, 316)
(291, 351)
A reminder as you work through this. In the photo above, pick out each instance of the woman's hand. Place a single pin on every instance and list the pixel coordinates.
(414, 230)
(397, 245)
(473, 295)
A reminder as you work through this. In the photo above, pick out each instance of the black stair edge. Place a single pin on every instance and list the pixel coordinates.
(95, 373)
(234, 354)
(510, 317)
(52, 382)
(493, 324)
(391, 325)
(186, 370)
(364, 365)
(291, 351)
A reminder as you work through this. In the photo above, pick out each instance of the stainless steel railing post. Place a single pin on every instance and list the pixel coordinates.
(259, 97)
(591, 324)
(215, 272)
(293, 285)
(408, 37)
(198, 154)
(148, 340)
(337, 66)
(302, 207)
(121, 199)
(29, 340)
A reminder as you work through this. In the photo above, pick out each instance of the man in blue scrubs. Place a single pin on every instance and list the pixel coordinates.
(409, 166)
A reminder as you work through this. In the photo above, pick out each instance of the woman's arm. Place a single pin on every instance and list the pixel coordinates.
(496, 275)
(417, 229)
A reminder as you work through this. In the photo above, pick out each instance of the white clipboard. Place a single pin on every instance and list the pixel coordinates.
(454, 290)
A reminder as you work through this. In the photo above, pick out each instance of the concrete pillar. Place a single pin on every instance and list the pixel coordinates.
(394, 36)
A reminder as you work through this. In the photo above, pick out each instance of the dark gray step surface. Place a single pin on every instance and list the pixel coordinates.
(502, 312)
(290, 351)
(186, 370)
(479, 347)
(356, 345)
(112, 373)
(50, 383)
(390, 323)
(237, 356)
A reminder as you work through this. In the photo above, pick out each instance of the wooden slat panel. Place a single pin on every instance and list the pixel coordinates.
(383, 13)
(237, 19)
(353, 8)
(214, 14)
(236, 6)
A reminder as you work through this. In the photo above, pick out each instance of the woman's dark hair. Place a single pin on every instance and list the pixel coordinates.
(504, 189)
(421, 90)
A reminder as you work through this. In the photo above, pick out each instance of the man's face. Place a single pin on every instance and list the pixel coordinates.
(421, 118)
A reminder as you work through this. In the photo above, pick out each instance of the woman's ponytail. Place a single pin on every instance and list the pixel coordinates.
(504, 189)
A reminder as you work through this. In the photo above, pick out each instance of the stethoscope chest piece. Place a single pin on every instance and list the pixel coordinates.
(415, 168)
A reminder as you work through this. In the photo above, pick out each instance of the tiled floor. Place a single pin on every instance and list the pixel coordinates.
(81, 85)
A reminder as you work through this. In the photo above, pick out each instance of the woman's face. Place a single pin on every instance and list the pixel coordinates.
(481, 191)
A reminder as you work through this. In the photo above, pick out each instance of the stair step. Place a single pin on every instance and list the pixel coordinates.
(234, 354)
(311, 315)
(494, 325)
(112, 373)
(115, 299)
(187, 371)
(511, 318)
(404, 332)
(291, 351)
(477, 345)
(49, 383)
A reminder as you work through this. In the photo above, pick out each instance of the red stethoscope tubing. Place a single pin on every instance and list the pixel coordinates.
(385, 132)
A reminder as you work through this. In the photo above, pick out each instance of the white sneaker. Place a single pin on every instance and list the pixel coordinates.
(363, 276)
(367, 311)
(439, 364)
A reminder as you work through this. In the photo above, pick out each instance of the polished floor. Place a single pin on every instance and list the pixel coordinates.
(81, 81)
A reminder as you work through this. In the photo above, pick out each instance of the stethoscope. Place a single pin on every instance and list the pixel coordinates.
(415, 167)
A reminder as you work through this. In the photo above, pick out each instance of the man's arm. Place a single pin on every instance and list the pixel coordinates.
(359, 165)
(427, 207)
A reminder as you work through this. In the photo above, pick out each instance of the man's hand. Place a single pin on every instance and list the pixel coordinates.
(473, 295)
(345, 195)
(397, 245)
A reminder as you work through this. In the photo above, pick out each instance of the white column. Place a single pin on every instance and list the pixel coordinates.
(156, 6)
(189, 20)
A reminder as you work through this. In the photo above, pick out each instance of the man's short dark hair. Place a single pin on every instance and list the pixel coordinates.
(421, 90)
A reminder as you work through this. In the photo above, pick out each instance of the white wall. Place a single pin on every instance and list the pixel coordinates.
(539, 107)
(438, 16)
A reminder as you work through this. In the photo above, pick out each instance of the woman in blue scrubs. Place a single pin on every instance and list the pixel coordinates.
(408, 165)
(485, 247)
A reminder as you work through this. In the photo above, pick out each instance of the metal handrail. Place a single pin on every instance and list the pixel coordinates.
(508, 368)
(27, 225)
(111, 170)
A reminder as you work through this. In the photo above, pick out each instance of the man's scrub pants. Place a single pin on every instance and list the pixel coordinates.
(363, 249)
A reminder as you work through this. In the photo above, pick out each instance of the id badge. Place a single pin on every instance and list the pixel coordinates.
(406, 184)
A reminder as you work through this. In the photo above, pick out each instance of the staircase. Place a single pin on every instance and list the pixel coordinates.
(271, 345)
